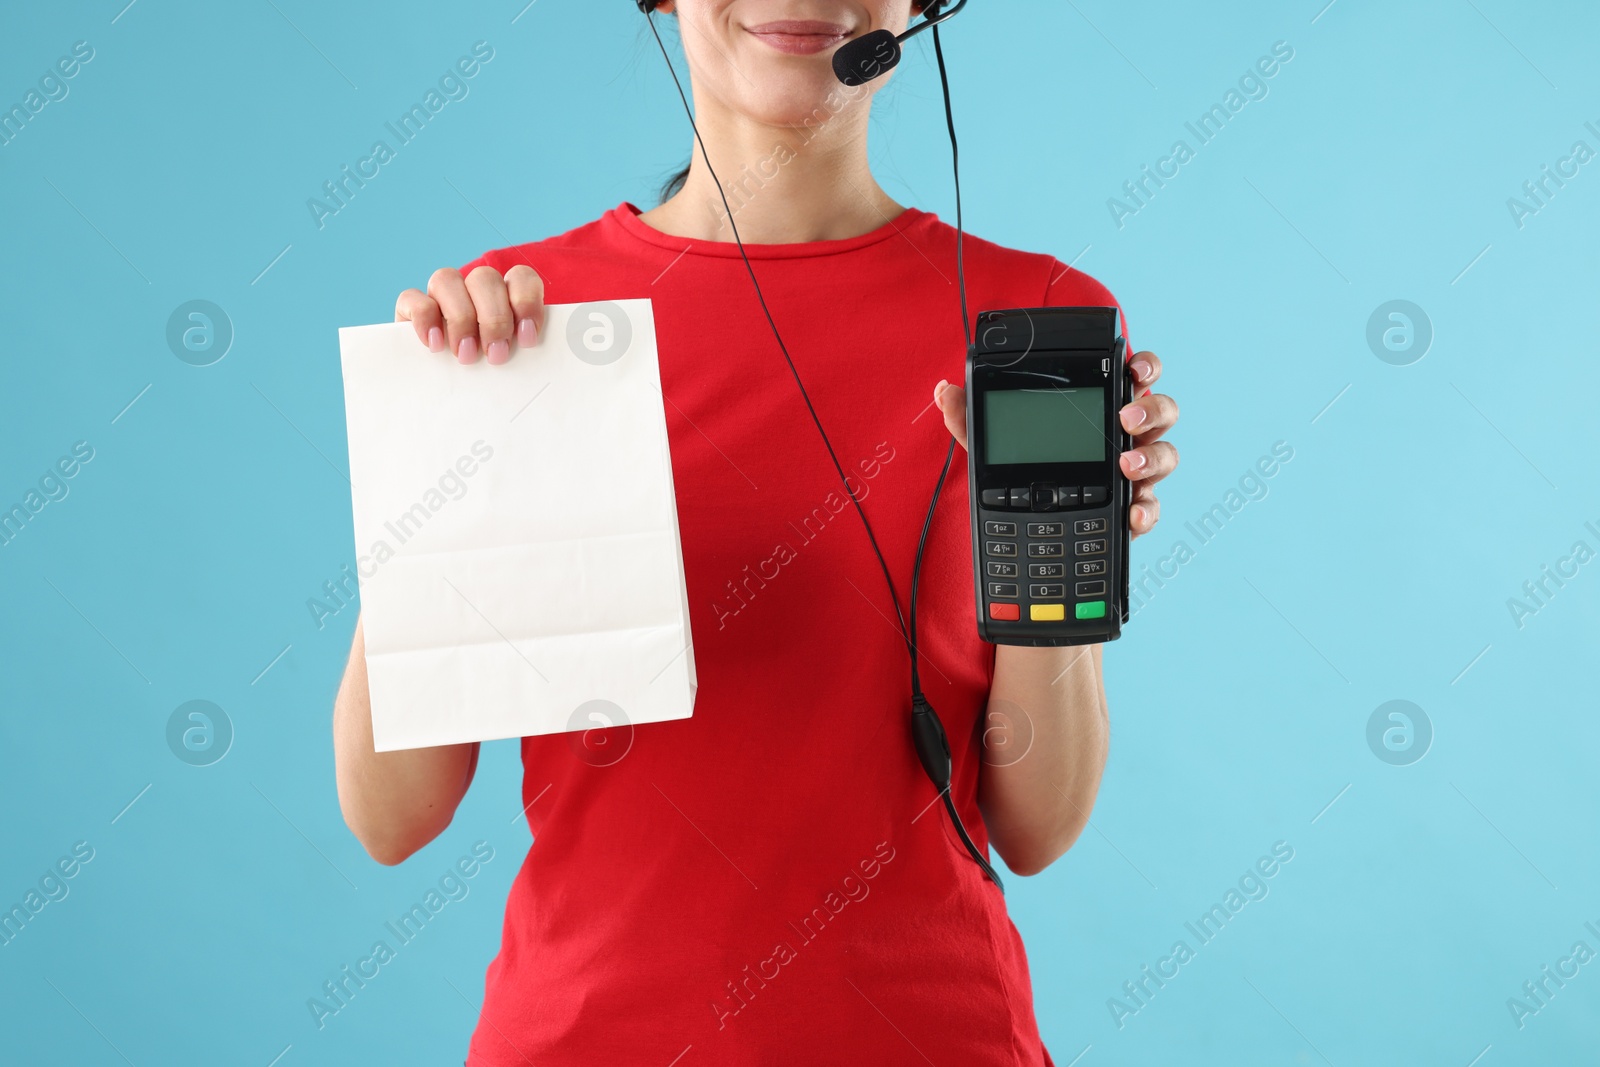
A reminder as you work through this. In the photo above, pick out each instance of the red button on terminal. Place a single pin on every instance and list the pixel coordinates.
(1005, 612)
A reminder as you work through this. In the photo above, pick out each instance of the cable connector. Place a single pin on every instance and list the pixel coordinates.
(933, 750)
(932, 747)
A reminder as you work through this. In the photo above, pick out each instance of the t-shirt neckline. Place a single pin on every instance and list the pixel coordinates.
(627, 215)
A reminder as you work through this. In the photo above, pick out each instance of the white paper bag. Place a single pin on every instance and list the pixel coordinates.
(517, 533)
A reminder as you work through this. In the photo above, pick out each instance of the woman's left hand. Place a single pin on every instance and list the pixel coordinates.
(1147, 419)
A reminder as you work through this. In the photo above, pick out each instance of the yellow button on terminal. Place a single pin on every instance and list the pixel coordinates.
(1047, 612)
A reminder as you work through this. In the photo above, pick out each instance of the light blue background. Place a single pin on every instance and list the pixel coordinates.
(1378, 567)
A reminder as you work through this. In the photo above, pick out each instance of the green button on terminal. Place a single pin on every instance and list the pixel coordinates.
(1092, 609)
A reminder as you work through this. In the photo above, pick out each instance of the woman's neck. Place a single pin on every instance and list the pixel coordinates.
(784, 185)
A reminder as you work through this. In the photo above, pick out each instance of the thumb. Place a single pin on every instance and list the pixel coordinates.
(952, 401)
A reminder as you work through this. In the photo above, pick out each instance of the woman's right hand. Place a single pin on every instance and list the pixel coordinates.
(479, 314)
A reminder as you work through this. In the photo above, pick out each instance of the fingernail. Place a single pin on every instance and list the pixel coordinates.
(527, 333)
(467, 350)
(1139, 515)
(499, 352)
(1135, 460)
(1134, 416)
(1141, 369)
(435, 339)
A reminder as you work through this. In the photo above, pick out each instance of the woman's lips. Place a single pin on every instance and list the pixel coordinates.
(800, 38)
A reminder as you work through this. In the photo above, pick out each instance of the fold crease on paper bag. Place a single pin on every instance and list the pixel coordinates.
(516, 531)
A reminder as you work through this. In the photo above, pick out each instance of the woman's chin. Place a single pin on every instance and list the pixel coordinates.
(808, 100)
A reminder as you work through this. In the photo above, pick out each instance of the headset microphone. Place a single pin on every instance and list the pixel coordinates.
(875, 54)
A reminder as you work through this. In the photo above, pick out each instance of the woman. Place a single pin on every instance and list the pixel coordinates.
(771, 880)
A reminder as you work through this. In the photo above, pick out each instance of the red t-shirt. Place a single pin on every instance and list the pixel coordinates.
(771, 880)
